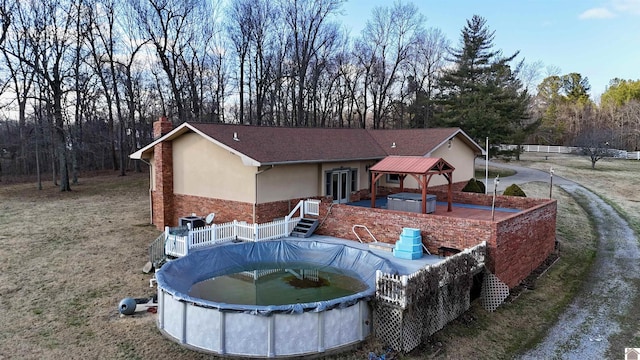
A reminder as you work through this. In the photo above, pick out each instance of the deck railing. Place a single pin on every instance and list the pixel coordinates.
(393, 288)
(180, 240)
(157, 250)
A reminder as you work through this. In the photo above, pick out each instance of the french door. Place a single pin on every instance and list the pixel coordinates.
(340, 186)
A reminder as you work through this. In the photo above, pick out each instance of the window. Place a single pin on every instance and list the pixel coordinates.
(354, 180)
(393, 179)
(327, 183)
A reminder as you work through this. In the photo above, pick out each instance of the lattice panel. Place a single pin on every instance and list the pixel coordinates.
(388, 324)
(412, 327)
(493, 292)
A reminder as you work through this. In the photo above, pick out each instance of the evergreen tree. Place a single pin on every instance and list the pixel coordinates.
(482, 94)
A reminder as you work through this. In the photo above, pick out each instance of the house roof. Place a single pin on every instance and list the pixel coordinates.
(273, 145)
(410, 165)
(261, 145)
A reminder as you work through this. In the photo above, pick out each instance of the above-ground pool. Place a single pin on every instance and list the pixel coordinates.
(191, 313)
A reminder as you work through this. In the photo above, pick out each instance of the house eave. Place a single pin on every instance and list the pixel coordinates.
(320, 161)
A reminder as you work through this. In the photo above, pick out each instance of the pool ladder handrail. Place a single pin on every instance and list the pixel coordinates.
(353, 228)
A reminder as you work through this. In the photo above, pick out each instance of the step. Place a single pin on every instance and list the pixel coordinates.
(381, 246)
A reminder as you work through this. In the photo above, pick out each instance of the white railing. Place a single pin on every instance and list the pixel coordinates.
(393, 288)
(178, 243)
(175, 244)
(312, 207)
(554, 149)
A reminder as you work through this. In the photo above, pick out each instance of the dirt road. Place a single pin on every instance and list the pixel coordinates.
(584, 329)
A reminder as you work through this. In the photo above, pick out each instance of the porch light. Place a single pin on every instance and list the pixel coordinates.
(450, 142)
(550, 182)
(493, 202)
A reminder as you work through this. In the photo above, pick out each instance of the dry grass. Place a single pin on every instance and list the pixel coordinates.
(66, 260)
(614, 180)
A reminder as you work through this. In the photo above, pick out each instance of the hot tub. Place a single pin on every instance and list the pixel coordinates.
(411, 202)
(296, 329)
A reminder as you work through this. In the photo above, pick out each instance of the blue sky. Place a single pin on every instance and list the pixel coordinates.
(600, 39)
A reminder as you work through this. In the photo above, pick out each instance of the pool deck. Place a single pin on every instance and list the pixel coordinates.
(404, 267)
(464, 211)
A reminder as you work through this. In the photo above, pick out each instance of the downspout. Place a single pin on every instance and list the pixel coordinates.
(255, 202)
(150, 189)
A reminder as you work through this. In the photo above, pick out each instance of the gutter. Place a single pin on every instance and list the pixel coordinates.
(255, 202)
(150, 189)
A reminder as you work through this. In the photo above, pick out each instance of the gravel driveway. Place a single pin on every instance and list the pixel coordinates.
(583, 330)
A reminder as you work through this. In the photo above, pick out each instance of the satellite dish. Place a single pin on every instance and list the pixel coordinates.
(209, 218)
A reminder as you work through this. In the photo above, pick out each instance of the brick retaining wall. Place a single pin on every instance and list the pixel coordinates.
(515, 245)
(523, 242)
(386, 226)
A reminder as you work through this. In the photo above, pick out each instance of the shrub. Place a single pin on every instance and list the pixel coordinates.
(483, 189)
(514, 190)
(472, 186)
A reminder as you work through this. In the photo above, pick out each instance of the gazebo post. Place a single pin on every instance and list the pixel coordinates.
(449, 192)
(424, 194)
(373, 189)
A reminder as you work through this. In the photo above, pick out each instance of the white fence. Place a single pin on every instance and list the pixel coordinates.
(393, 288)
(553, 149)
(178, 241)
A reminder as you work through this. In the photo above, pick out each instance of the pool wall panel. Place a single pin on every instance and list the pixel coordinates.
(203, 328)
(246, 334)
(173, 320)
(296, 334)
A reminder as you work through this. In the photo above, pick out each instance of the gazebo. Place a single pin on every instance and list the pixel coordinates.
(421, 168)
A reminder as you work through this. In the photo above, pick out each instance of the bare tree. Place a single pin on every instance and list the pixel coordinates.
(21, 76)
(593, 139)
(173, 27)
(7, 7)
(391, 36)
(49, 29)
(426, 62)
(310, 28)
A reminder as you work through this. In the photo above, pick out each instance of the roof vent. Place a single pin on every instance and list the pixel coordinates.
(235, 136)
(393, 145)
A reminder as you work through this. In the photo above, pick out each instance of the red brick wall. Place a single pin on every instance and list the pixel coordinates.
(162, 197)
(386, 226)
(268, 211)
(225, 210)
(523, 242)
(516, 245)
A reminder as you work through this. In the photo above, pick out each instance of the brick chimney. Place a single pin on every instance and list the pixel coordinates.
(161, 127)
(162, 196)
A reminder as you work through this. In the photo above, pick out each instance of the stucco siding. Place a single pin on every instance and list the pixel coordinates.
(361, 166)
(283, 182)
(459, 155)
(201, 168)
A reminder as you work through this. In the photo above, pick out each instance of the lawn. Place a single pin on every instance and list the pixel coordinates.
(67, 259)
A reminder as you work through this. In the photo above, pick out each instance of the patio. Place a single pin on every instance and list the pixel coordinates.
(458, 210)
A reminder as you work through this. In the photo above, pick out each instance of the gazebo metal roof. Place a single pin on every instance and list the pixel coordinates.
(421, 168)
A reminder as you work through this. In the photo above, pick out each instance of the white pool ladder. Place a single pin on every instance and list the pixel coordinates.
(353, 228)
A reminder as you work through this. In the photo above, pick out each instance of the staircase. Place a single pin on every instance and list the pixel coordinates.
(305, 228)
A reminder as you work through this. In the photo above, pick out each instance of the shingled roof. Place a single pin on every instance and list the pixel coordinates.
(271, 145)
(262, 145)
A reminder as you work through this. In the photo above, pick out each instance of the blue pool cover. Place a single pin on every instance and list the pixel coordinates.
(176, 277)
